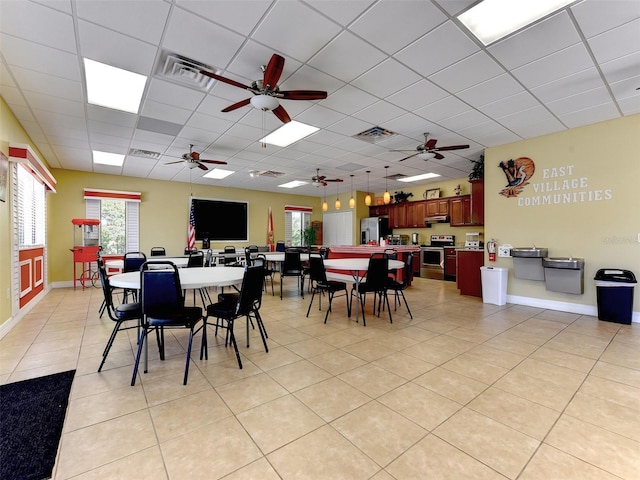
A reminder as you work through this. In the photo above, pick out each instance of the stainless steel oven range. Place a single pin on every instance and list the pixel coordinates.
(432, 256)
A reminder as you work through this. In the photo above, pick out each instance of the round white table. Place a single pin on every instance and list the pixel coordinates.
(190, 278)
(180, 262)
(357, 267)
(278, 257)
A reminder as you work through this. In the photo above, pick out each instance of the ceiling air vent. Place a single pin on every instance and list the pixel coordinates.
(136, 152)
(265, 173)
(374, 134)
(185, 71)
(396, 176)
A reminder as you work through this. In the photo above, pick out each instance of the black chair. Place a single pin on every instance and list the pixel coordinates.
(291, 267)
(189, 251)
(376, 282)
(227, 259)
(280, 246)
(398, 288)
(163, 307)
(249, 253)
(158, 252)
(132, 261)
(118, 313)
(196, 259)
(231, 307)
(269, 272)
(320, 285)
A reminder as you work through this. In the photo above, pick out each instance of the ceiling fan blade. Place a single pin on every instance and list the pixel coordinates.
(225, 80)
(430, 144)
(450, 147)
(438, 156)
(216, 162)
(282, 114)
(177, 161)
(406, 158)
(333, 180)
(302, 94)
(273, 72)
(237, 105)
(202, 167)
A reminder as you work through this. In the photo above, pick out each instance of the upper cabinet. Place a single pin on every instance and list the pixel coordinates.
(437, 207)
(378, 210)
(468, 210)
(415, 213)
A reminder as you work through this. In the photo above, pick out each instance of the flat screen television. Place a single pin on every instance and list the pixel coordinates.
(221, 220)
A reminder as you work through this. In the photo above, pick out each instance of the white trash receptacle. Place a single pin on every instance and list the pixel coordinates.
(494, 284)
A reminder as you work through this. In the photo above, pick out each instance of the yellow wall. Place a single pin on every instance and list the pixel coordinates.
(164, 213)
(605, 157)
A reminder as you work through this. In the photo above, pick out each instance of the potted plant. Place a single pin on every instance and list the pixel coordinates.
(400, 196)
(309, 236)
(477, 172)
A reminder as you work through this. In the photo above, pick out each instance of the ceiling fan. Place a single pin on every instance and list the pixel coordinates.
(318, 180)
(193, 160)
(429, 150)
(266, 92)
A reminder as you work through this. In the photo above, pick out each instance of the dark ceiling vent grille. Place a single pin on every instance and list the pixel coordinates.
(265, 173)
(374, 134)
(136, 152)
(185, 71)
(396, 176)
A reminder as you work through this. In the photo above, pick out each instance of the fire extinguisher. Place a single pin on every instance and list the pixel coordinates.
(491, 248)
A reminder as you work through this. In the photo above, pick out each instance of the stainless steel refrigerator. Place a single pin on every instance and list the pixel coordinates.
(373, 228)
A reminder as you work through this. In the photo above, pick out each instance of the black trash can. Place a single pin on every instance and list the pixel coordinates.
(614, 292)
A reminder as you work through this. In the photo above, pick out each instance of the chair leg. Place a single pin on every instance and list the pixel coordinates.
(326, 315)
(233, 342)
(313, 294)
(204, 350)
(137, 362)
(186, 367)
(109, 344)
(406, 304)
(263, 331)
(386, 298)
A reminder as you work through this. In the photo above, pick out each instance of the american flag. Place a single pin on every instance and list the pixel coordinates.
(191, 233)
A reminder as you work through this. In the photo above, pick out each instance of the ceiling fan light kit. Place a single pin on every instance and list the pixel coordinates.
(264, 102)
(428, 149)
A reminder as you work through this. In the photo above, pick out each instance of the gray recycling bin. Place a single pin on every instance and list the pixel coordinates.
(614, 293)
(494, 284)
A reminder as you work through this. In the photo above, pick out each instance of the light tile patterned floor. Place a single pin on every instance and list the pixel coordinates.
(465, 390)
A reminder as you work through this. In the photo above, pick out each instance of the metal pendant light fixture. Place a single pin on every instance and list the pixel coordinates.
(352, 201)
(367, 198)
(387, 195)
(338, 204)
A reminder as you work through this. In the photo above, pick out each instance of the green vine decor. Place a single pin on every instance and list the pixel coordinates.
(400, 196)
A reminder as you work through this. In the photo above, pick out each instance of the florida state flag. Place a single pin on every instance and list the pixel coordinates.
(270, 241)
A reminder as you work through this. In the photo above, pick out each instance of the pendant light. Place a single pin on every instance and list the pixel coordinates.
(338, 204)
(387, 195)
(325, 206)
(367, 198)
(352, 201)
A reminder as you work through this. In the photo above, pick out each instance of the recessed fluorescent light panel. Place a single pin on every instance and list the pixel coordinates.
(218, 173)
(106, 158)
(492, 20)
(293, 184)
(113, 87)
(416, 178)
(289, 133)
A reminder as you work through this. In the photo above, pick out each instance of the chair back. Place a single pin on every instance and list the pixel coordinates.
(133, 261)
(377, 273)
(160, 289)
(291, 263)
(208, 259)
(189, 251)
(391, 253)
(408, 270)
(196, 259)
(251, 290)
(229, 249)
(248, 252)
(280, 246)
(324, 252)
(106, 287)
(317, 271)
(158, 252)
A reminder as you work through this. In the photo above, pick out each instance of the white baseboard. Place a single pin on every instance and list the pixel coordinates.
(15, 319)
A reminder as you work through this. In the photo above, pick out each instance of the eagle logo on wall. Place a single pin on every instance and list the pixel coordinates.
(518, 173)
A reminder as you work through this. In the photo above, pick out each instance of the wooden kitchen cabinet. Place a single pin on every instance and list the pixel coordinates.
(468, 277)
(460, 210)
(378, 210)
(437, 207)
(477, 202)
(397, 216)
(415, 213)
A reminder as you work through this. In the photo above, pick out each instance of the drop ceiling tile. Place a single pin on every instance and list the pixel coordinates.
(196, 38)
(124, 17)
(110, 129)
(509, 105)
(213, 107)
(152, 137)
(109, 143)
(553, 67)
(278, 30)
(464, 120)
(570, 85)
(5, 76)
(590, 115)
(109, 115)
(33, 129)
(455, 7)
(176, 95)
(124, 52)
(406, 123)
(38, 23)
(626, 88)
(209, 123)
(349, 126)
(82, 144)
(319, 116)
(341, 11)
(445, 108)
(616, 43)
(309, 78)
(48, 84)
(38, 101)
(347, 57)
(251, 57)
(479, 133)
(137, 167)
(630, 105)
(402, 22)
(427, 55)
(468, 72)
(379, 113)
(532, 122)
(596, 16)
(33, 56)
(162, 111)
(500, 138)
(490, 91)
(533, 43)
(622, 68)
(417, 95)
(241, 17)
(349, 100)
(386, 78)
(580, 101)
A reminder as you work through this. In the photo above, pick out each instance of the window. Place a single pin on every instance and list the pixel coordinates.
(296, 219)
(31, 209)
(118, 213)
